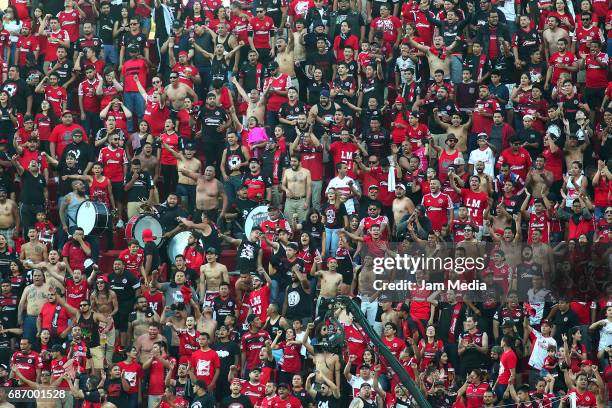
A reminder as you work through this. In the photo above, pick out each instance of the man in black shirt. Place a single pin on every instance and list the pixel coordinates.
(127, 288)
(328, 394)
(236, 399)
(214, 124)
(7, 255)
(82, 151)
(237, 213)
(14, 85)
(106, 24)
(151, 252)
(229, 352)
(563, 320)
(323, 59)
(251, 73)
(138, 185)
(168, 214)
(202, 399)
(34, 194)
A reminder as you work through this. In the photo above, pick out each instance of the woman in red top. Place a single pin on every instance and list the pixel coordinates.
(156, 112)
(399, 126)
(195, 16)
(184, 119)
(345, 40)
(602, 184)
(428, 347)
(43, 122)
(109, 88)
(291, 362)
(120, 112)
(307, 252)
(100, 188)
(577, 351)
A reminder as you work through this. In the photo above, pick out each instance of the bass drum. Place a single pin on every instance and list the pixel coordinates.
(94, 217)
(140, 222)
(177, 244)
(255, 218)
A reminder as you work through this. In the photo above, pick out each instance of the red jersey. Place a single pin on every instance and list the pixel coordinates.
(87, 90)
(58, 369)
(436, 207)
(584, 36)
(299, 8)
(133, 262)
(312, 160)
(188, 343)
(475, 394)
(27, 364)
(428, 351)
(604, 230)
(173, 141)
(476, 202)
(255, 392)
(507, 361)
(586, 399)
(415, 134)
(291, 361)
(98, 190)
(252, 343)
(43, 124)
(205, 364)
(76, 292)
(54, 317)
(51, 52)
(344, 153)
(26, 45)
(155, 300)
(539, 222)
(425, 29)
(596, 75)
(156, 117)
(520, 162)
(261, 30)
(185, 72)
(356, 342)
(240, 26)
(69, 21)
(481, 123)
(390, 27)
(114, 161)
(282, 82)
(133, 67)
(57, 98)
(259, 300)
(502, 275)
(567, 58)
(367, 223)
(133, 373)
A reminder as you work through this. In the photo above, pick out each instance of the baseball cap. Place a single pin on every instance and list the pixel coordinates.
(211, 250)
(400, 185)
(325, 93)
(272, 65)
(293, 246)
(459, 161)
(585, 362)
(483, 136)
(56, 348)
(400, 99)
(507, 323)
(283, 385)
(65, 112)
(177, 24)
(373, 187)
(529, 117)
(250, 318)
(185, 53)
(189, 146)
(451, 137)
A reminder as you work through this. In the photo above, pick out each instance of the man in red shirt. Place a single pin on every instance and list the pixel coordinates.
(517, 157)
(482, 119)
(205, 363)
(70, 19)
(56, 95)
(438, 206)
(26, 44)
(560, 62)
(28, 362)
(251, 343)
(54, 317)
(61, 136)
(275, 89)
(343, 151)
(596, 65)
(261, 30)
(387, 24)
(284, 399)
(133, 373)
(115, 163)
(89, 102)
(507, 367)
(476, 200)
(134, 66)
(584, 398)
(76, 250)
(133, 256)
(56, 37)
(311, 159)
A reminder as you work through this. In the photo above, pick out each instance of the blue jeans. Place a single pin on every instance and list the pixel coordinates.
(271, 120)
(456, 69)
(332, 240)
(91, 124)
(499, 391)
(610, 52)
(134, 102)
(111, 56)
(274, 292)
(187, 195)
(29, 327)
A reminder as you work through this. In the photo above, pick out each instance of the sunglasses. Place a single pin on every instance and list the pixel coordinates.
(373, 162)
(260, 11)
(133, 24)
(84, 305)
(173, 77)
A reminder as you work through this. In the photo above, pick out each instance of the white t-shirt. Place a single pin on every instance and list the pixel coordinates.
(539, 348)
(487, 156)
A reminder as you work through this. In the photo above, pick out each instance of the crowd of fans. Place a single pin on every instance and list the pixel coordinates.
(287, 147)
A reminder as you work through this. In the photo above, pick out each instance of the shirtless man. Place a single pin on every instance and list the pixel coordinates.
(176, 92)
(389, 315)
(212, 274)
(9, 218)
(150, 164)
(285, 58)
(185, 160)
(329, 282)
(33, 250)
(538, 180)
(456, 128)
(209, 191)
(363, 285)
(104, 302)
(144, 343)
(402, 205)
(437, 55)
(551, 35)
(34, 296)
(256, 105)
(140, 319)
(51, 267)
(45, 400)
(326, 362)
(297, 185)
(486, 181)
(205, 322)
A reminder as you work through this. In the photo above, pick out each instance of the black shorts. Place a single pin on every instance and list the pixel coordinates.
(118, 192)
(122, 316)
(594, 97)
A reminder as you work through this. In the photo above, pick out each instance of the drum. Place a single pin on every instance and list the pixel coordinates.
(140, 222)
(255, 218)
(177, 244)
(94, 217)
